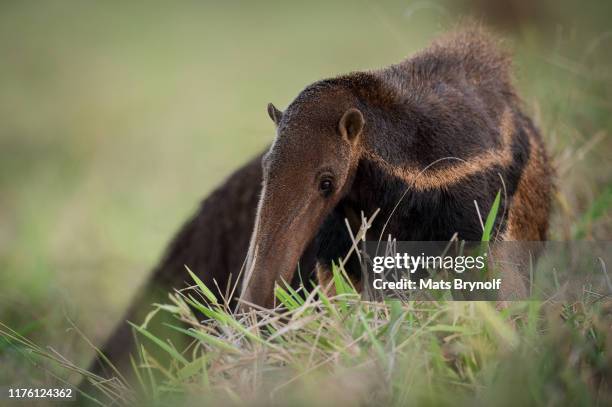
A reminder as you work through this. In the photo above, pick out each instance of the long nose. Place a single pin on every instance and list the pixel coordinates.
(282, 231)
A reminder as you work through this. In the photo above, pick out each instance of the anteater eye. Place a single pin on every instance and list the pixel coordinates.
(326, 187)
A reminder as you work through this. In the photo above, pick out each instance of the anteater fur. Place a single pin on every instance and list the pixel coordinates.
(457, 101)
(440, 130)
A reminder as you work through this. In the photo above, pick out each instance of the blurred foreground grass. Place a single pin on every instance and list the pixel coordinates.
(342, 351)
(115, 119)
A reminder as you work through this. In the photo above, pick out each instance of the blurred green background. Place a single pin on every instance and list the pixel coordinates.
(116, 118)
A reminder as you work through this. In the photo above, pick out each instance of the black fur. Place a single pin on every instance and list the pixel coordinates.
(438, 132)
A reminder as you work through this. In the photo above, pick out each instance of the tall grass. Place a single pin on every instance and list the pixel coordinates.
(314, 348)
(318, 350)
(340, 350)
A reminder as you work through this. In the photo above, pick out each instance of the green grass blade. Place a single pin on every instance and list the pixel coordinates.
(163, 345)
(488, 227)
(205, 290)
(285, 298)
(214, 342)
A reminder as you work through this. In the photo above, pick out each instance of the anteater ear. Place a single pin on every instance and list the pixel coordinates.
(351, 124)
(274, 113)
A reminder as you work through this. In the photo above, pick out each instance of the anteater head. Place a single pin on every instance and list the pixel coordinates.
(307, 170)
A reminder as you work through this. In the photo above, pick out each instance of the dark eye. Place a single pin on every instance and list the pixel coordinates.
(326, 186)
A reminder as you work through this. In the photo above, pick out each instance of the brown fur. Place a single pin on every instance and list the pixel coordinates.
(528, 213)
(445, 123)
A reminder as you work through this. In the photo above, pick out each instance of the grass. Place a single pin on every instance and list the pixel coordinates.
(315, 349)
(342, 350)
(116, 118)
